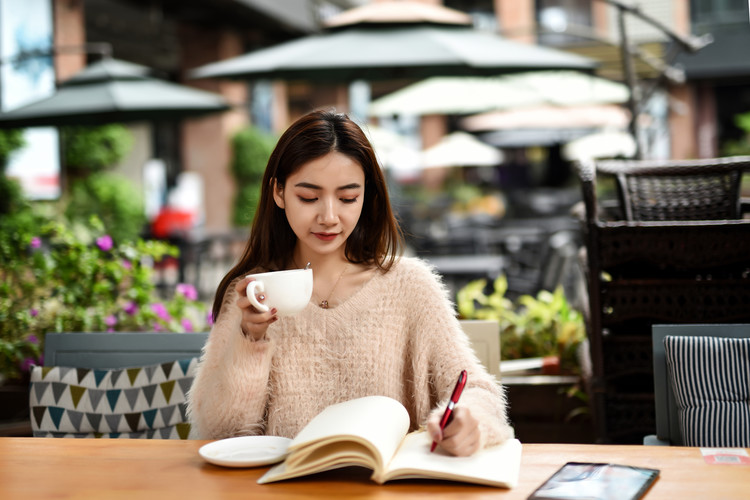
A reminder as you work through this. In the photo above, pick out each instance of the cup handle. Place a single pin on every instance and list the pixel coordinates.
(252, 287)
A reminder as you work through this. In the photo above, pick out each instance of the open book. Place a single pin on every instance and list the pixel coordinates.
(372, 432)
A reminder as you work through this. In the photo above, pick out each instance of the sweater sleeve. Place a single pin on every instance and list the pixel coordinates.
(229, 394)
(449, 351)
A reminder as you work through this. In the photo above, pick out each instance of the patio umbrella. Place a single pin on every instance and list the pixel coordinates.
(604, 144)
(546, 116)
(460, 149)
(110, 91)
(390, 40)
(462, 95)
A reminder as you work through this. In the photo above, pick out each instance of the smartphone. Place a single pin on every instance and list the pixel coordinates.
(596, 481)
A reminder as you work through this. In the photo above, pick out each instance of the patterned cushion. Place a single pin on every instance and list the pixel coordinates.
(138, 402)
(710, 378)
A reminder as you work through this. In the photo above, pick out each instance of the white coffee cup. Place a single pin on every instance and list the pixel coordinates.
(288, 291)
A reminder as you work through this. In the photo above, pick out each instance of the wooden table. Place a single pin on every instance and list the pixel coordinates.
(100, 469)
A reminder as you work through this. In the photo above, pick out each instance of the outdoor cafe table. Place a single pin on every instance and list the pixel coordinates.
(42, 468)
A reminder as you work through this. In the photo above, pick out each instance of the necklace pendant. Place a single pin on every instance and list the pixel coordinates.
(324, 304)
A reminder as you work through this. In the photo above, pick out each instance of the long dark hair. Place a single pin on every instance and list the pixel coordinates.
(376, 239)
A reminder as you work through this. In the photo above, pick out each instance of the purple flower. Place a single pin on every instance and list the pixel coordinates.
(36, 242)
(187, 325)
(104, 243)
(34, 312)
(127, 264)
(26, 364)
(32, 339)
(110, 320)
(158, 327)
(187, 290)
(210, 318)
(161, 311)
(130, 308)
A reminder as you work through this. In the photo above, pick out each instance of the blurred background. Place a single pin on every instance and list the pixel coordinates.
(134, 134)
(478, 165)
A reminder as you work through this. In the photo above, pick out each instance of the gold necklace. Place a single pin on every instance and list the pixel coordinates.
(324, 302)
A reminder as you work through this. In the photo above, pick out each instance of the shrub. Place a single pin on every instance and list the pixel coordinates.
(52, 280)
(113, 199)
(541, 326)
(251, 149)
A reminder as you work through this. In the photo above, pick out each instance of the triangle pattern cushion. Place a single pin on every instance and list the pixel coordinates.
(710, 378)
(136, 402)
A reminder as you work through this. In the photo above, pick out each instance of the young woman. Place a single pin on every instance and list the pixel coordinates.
(378, 324)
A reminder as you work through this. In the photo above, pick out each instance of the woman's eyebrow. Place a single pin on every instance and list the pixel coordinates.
(308, 185)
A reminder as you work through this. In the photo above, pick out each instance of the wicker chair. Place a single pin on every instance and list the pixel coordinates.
(671, 247)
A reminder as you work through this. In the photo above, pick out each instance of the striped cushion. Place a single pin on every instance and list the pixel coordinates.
(138, 402)
(710, 378)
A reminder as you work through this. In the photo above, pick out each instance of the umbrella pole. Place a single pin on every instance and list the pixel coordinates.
(634, 99)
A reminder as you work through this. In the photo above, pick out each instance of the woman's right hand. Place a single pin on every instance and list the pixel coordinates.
(254, 323)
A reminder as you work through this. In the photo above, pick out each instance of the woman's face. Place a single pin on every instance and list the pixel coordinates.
(323, 202)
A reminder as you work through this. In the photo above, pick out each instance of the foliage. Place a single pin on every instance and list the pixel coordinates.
(545, 325)
(10, 141)
(251, 149)
(113, 199)
(11, 195)
(53, 280)
(93, 149)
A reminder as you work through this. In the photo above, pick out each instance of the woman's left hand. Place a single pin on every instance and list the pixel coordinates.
(461, 437)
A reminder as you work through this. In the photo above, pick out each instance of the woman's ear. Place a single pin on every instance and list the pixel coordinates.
(278, 194)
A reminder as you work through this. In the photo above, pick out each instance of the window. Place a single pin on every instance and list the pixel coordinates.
(560, 20)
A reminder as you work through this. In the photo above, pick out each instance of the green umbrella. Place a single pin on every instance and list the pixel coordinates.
(385, 44)
(114, 91)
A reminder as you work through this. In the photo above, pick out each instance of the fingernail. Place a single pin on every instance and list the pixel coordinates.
(261, 297)
(274, 311)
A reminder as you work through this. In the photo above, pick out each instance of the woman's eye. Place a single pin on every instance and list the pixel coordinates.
(307, 200)
(349, 200)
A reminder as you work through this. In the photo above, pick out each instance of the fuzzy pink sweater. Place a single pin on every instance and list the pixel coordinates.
(396, 336)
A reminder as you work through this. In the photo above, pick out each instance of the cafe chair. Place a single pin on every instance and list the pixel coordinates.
(678, 190)
(114, 385)
(666, 241)
(701, 385)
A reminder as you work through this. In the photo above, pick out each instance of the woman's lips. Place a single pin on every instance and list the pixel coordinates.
(326, 236)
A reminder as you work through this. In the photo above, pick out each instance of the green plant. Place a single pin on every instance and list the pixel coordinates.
(251, 149)
(93, 149)
(545, 325)
(113, 199)
(55, 280)
(11, 197)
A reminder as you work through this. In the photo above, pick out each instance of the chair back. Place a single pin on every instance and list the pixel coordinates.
(668, 429)
(661, 190)
(116, 385)
(113, 350)
(484, 336)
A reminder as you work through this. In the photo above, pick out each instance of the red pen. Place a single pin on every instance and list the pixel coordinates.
(448, 415)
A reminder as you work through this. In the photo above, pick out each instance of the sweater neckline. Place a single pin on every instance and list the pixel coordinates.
(362, 294)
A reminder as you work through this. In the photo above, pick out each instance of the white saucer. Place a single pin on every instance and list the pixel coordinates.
(246, 451)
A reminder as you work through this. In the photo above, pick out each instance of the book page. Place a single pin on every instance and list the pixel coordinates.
(496, 466)
(365, 431)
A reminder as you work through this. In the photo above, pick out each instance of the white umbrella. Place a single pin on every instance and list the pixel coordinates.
(392, 150)
(605, 144)
(585, 116)
(460, 149)
(466, 95)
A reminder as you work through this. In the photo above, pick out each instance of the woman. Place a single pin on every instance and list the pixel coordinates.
(377, 323)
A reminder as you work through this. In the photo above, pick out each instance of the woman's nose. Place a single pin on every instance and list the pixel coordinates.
(328, 213)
